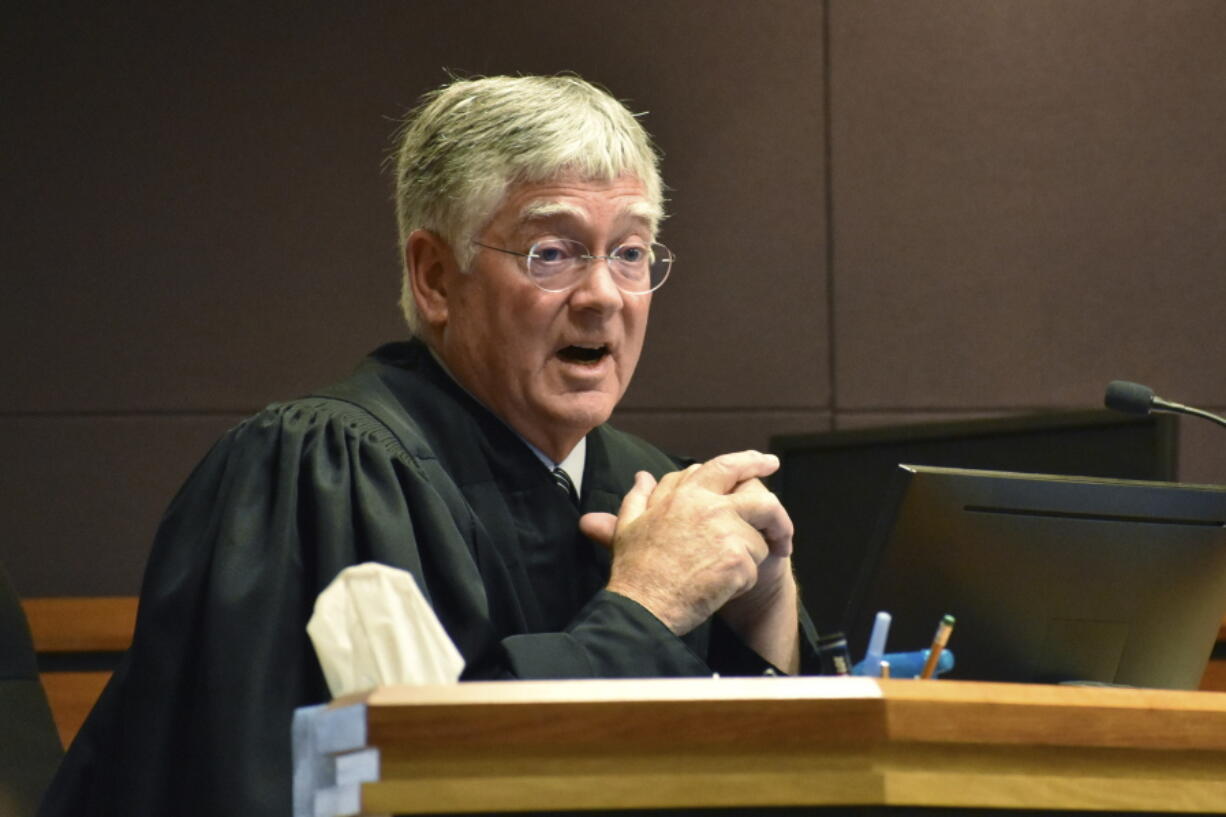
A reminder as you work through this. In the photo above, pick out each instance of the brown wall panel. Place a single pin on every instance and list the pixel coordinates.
(198, 216)
(1027, 200)
(82, 496)
(705, 434)
(744, 325)
(199, 219)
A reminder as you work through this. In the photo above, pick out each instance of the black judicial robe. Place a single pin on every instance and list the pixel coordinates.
(397, 465)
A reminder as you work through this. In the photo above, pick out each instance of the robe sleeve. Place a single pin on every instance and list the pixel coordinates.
(615, 637)
(611, 637)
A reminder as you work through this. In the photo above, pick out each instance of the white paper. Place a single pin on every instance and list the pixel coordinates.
(373, 627)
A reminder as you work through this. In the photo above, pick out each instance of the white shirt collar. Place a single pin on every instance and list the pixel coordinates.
(573, 464)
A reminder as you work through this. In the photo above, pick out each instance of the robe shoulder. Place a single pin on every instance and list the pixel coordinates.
(197, 717)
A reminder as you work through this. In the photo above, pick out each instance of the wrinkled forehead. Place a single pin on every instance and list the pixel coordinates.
(638, 211)
(575, 201)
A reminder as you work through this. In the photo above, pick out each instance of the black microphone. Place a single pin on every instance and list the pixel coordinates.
(1133, 398)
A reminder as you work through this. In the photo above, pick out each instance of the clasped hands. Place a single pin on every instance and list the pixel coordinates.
(705, 540)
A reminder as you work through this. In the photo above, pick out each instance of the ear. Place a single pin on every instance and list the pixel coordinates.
(427, 261)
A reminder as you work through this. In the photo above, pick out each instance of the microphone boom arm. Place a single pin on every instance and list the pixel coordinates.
(1178, 408)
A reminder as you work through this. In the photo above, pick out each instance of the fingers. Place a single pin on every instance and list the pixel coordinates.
(736, 476)
(755, 546)
(601, 527)
(763, 511)
(670, 482)
(723, 473)
(635, 500)
(685, 546)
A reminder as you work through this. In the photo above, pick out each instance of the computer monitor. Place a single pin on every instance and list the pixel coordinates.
(834, 483)
(1051, 578)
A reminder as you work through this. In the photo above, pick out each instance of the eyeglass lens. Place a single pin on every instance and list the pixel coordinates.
(560, 263)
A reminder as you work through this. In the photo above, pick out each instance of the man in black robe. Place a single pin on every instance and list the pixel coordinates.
(440, 455)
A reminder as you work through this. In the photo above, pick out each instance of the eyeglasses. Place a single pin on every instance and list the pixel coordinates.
(557, 264)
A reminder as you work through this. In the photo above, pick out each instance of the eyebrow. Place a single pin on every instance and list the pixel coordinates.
(545, 210)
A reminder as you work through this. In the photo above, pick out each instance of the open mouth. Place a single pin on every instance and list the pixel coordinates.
(583, 354)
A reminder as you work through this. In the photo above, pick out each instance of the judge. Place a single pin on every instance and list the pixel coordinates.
(476, 455)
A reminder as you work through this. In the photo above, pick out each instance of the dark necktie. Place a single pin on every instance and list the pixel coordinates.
(563, 480)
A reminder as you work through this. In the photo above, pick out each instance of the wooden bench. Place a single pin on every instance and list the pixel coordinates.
(79, 641)
(95, 631)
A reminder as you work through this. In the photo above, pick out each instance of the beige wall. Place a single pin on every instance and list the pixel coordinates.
(883, 211)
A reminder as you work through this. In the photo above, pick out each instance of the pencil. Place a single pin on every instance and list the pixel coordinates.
(938, 645)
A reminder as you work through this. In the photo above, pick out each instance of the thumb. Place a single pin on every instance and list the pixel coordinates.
(601, 527)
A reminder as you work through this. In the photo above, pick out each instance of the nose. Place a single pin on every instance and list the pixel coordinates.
(597, 292)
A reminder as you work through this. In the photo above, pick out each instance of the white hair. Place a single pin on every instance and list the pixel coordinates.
(470, 140)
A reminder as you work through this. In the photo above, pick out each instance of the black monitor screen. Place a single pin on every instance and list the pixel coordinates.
(1052, 578)
(834, 484)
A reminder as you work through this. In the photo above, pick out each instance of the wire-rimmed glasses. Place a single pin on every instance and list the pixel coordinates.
(557, 264)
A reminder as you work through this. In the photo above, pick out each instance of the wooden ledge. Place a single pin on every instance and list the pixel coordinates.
(745, 743)
(757, 710)
(81, 623)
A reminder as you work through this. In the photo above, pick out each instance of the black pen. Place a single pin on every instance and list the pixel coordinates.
(833, 654)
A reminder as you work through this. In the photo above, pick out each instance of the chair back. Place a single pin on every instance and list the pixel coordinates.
(30, 746)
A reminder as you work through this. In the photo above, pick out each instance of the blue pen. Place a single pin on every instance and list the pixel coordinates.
(876, 645)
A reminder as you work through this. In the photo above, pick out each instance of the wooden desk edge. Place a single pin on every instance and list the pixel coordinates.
(936, 712)
(826, 688)
(715, 742)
